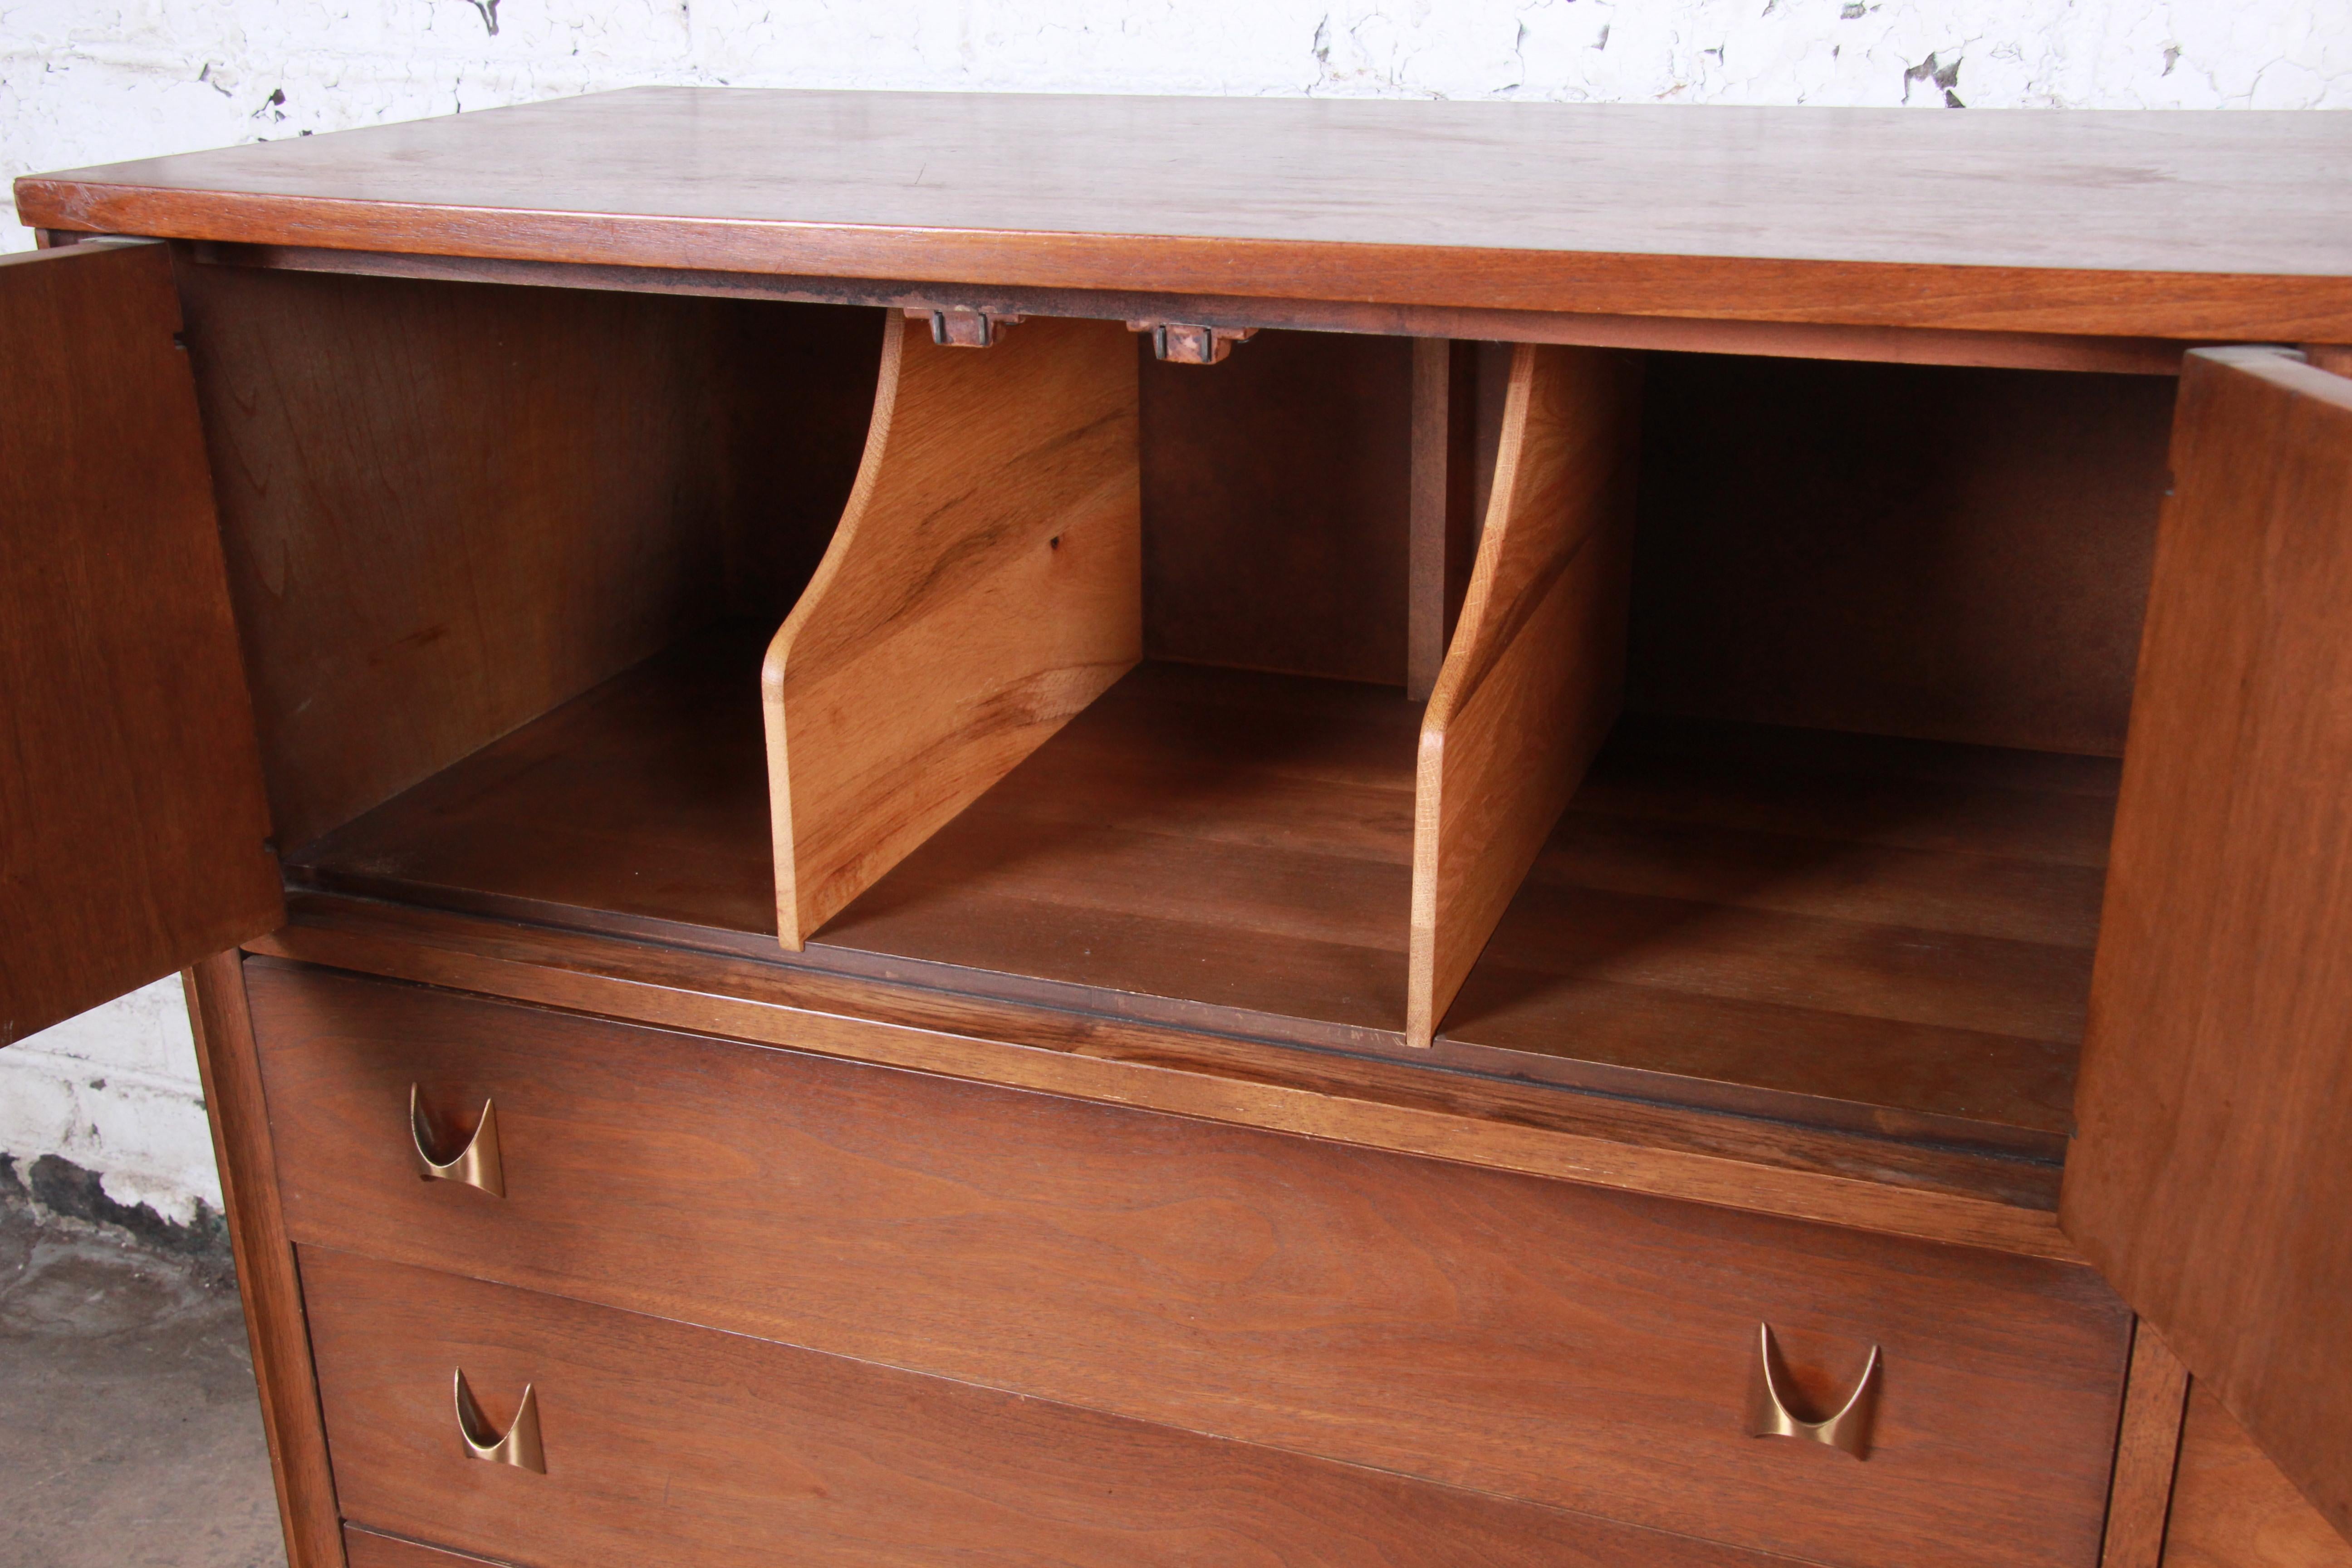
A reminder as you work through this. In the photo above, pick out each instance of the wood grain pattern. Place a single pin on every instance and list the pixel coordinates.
(1860, 1183)
(1958, 554)
(2232, 1509)
(275, 1323)
(133, 819)
(1847, 931)
(1274, 502)
(368, 1549)
(2208, 1178)
(982, 586)
(1888, 937)
(2104, 223)
(1799, 339)
(670, 1444)
(448, 509)
(1443, 526)
(1573, 1347)
(1536, 673)
(2146, 1452)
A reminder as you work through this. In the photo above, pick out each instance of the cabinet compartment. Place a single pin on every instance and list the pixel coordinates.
(1840, 863)
(1568, 1345)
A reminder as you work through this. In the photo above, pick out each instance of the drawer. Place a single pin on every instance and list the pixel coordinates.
(1575, 1346)
(664, 1443)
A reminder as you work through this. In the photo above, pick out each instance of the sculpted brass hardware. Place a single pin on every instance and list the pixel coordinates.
(1769, 1414)
(477, 1164)
(518, 1447)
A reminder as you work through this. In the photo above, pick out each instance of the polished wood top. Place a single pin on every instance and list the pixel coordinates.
(2179, 225)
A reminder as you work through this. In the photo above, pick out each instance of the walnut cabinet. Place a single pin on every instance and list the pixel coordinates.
(918, 829)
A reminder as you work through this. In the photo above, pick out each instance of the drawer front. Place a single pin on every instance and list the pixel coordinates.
(664, 1444)
(1575, 1346)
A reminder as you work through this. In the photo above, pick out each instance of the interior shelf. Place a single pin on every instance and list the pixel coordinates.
(1884, 935)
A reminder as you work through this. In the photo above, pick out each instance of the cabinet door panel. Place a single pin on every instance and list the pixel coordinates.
(131, 814)
(2209, 1177)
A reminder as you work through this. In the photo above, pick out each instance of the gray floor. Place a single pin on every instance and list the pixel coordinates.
(129, 1433)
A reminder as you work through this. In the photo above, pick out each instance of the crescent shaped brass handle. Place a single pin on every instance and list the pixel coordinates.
(477, 1164)
(1769, 1414)
(518, 1445)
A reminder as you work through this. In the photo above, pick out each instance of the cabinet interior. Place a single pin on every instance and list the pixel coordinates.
(506, 561)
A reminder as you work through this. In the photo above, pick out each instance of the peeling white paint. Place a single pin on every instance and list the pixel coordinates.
(84, 82)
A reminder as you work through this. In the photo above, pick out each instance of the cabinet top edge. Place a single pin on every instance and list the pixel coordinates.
(2187, 224)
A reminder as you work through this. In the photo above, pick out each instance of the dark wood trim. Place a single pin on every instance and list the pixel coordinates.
(266, 1275)
(1444, 532)
(1897, 345)
(1758, 1166)
(2156, 1393)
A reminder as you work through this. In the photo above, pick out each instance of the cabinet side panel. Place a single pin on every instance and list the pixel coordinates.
(274, 1319)
(447, 508)
(133, 823)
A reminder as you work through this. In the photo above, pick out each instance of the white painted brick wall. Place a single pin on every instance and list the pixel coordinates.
(82, 81)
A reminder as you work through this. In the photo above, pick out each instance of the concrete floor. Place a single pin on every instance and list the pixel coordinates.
(130, 1437)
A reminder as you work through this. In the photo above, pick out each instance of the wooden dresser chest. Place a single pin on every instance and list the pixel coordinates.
(955, 830)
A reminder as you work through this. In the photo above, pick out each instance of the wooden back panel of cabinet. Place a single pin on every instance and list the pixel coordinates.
(1572, 1346)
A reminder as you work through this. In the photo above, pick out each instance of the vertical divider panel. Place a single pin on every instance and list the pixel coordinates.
(1536, 672)
(983, 586)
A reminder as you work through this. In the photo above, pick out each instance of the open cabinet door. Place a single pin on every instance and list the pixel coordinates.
(132, 820)
(2211, 1174)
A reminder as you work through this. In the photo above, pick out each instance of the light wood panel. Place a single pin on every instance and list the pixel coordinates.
(984, 585)
(1958, 554)
(2208, 1178)
(1536, 671)
(2232, 1509)
(2228, 226)
(1543, 1340)
(132, 821)
(275, 1322)
(2146, 1450)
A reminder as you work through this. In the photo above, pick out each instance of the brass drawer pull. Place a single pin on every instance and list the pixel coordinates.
(1769, 1414)
(520, 1446)
(477, 1164)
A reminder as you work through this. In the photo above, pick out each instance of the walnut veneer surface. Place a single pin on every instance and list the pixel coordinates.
(2171, 224)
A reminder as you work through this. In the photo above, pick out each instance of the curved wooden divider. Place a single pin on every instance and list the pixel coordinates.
(1537, 671)
(984, 585)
